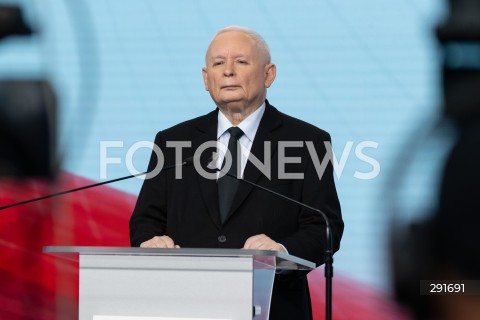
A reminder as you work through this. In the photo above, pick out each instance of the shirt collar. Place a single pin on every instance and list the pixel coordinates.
(249, 125)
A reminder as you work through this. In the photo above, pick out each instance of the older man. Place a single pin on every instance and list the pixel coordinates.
(197, 211)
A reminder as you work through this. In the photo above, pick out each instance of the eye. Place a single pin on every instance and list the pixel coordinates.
(217, 63)
(242, 61)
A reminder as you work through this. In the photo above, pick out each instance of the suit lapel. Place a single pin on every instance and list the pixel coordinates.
(271, 119)
(208, 187)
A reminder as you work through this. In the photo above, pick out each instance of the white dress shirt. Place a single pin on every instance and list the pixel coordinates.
(249, 126)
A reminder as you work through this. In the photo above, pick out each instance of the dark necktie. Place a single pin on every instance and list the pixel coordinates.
(227, 186)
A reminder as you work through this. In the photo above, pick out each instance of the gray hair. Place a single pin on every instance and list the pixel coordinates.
(255, 36)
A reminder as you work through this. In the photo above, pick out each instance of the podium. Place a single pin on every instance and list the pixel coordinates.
(124, 283)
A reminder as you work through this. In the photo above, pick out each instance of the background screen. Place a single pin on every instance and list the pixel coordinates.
(365, 71)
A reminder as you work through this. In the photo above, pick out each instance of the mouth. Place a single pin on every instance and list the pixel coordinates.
(230, 87)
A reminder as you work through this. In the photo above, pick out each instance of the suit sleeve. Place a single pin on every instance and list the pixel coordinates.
(318, 191)
(149, 218)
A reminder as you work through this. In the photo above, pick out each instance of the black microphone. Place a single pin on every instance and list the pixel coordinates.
(328, 251)
(186, 162)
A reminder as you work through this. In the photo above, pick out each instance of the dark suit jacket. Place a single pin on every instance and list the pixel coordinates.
(187, 209)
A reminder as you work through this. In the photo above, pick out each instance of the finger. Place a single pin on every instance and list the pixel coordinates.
(145, 244)
(158, 242)
(257, 242)
(164, 242)
(249, 243)
(263, 242)
(148, 244)
(260, 245)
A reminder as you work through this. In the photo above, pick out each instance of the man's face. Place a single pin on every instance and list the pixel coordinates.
(236, 73)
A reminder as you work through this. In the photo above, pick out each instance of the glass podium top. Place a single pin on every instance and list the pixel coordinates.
(283, 260)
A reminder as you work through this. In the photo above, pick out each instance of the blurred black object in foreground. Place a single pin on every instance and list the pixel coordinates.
(27, 115)
(445, 246)
(459, 36)
(12, 23)
(27, 129)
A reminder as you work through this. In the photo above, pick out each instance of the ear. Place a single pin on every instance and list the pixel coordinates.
(270, 73)
(205, 77)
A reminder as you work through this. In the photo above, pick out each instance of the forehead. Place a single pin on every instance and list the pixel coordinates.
(232, 42)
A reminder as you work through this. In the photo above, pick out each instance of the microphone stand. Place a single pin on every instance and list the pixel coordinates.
(185, 162)
(328, 257)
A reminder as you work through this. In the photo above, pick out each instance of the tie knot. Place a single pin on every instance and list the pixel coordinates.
(235, 132)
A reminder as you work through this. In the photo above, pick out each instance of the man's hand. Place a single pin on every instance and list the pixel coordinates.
(262, 242)
(159, 242)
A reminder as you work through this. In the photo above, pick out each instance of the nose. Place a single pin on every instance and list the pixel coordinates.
(229, 69)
